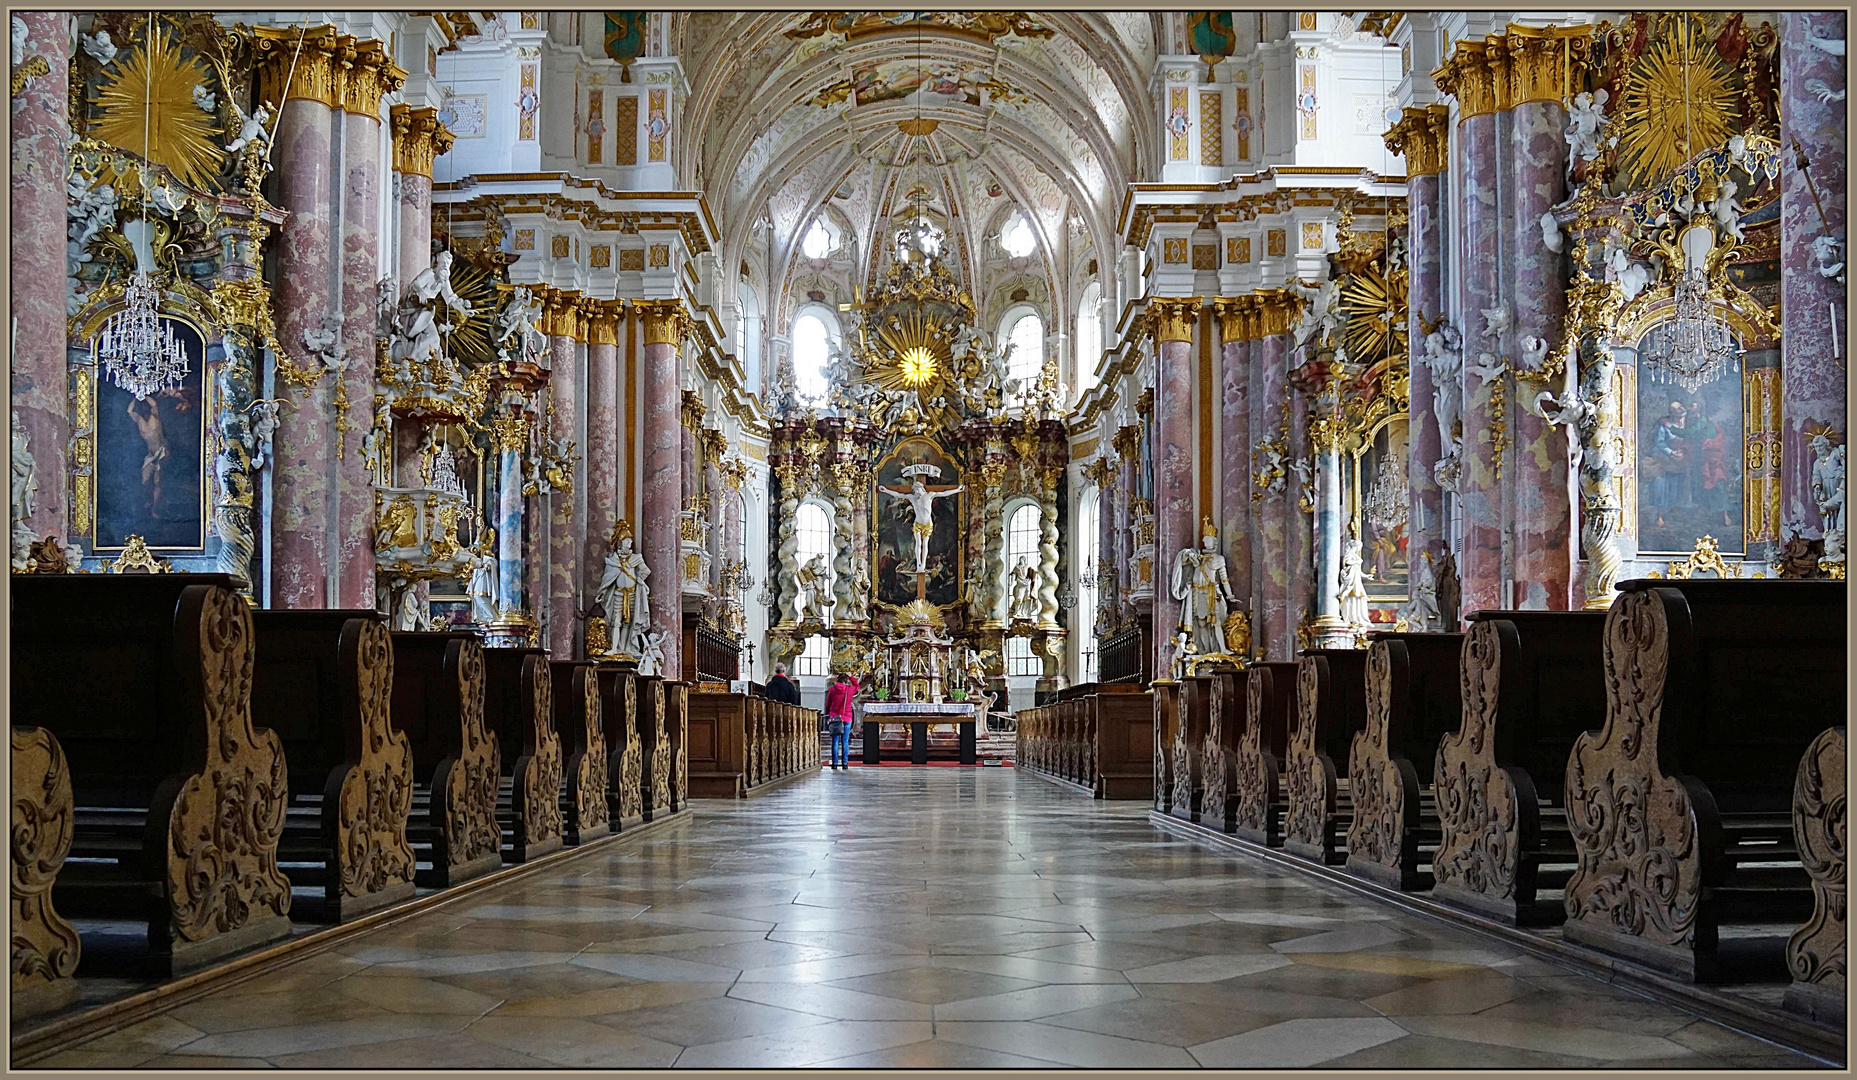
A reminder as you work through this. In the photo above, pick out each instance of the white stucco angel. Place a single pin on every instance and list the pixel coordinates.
(91, 210)
(1632, 276)
(252, 130)
(1322, 317)
(1487, 367)
(204, 100)
(1497, 320)
(20, 35)
(651, 654)
(1586, 125)
(1203, 586)
(264, 423)
(1727, 210)
(99, 47)
(25, 490)
(1445, 360)
(516, 323)
(1550, 231)
(1827, 254)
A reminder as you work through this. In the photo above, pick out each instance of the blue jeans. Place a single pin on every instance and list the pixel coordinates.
(841, 742)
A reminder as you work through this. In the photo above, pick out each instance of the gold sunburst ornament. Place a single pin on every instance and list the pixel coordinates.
(1376, 312)
(148, 102)
(916, 365)
(1679, 98)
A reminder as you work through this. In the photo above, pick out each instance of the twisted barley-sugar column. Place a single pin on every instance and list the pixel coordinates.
(666, 322)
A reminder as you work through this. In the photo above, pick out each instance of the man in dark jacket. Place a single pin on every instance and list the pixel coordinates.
(781, 688)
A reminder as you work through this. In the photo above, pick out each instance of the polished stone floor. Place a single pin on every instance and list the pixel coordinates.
(922, 917)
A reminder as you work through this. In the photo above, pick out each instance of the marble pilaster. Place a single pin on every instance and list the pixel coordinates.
(1485, 409)
(602, 449)
(661, 402)
(1174, 452)
(41, 136)
(567, 515)
(1235, 447)
(353, 400)
(1425, 300)
(1276, 630)
(1815, 321)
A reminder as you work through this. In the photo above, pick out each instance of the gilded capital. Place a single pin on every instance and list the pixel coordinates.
(1421, 135)
(1465, 75)
(1501, 65)
(1232, 320)
(1173, 318)
(418, 138)
(1543, 61)
(561, 314)
(666, 321)
(1124, 442)
(693, 410)
(713, 442)
(332, 68)
(602, 320)
(1277, 311)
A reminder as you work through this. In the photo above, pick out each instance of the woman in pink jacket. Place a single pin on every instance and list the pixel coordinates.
(838, 717)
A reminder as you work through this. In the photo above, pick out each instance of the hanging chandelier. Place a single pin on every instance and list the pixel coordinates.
(1698, 347)
(138, 351)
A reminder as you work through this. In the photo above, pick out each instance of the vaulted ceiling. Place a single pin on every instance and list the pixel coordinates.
(791, 110)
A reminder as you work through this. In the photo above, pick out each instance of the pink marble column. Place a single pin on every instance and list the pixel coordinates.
(567, 516)
(361, 271)
(661, 400)
(1124, 546)
(41, 134)
(415, 226)
(718, 525)
(1299, 525)
(1480, 245)
(1277, 627)
(1173, 483)
(1542, 530)
(602, 456)
(1814, 346)
(1235, 462)
(303, 463)
(1425, 298)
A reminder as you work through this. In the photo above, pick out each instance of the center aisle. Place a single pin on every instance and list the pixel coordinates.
(924, 917)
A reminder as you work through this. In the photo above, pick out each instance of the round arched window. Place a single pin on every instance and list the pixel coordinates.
(812, 349)
(817, 243)
(1017, 237)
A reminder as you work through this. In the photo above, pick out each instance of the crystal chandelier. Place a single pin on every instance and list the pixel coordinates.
(138, 351)
(1697, 347)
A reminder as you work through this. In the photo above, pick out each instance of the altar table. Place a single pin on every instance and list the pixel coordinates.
(919, 715)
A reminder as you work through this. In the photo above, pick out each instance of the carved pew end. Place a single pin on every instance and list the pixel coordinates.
(46, 948)
(1815, 954)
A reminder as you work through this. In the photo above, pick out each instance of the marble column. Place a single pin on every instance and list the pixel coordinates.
(303, 457)
(1485, 409)
(1124, 547)
(711, 445)
(1235, 442)
(1815, 321)
(418, 137)
(1299, 522)
(353, 399)
(1277, 629)
(1424, 150)
(602, 446)
(1174, 450)
(567, 516)
(41, 135)
(510, 443)
(1327, 523)
(661, 402)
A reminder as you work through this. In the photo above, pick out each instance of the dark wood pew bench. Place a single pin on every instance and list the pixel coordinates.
(1124, 743)
(1166, 694)
(1270, 702)
(1815, 953)
(1681, 806)
(1412, 703)
(145, 681)
(46, 948)
(1218, 755)
(438, 700)
(625, 754)
(676, 728)
(323, 681)
(580, 724)
(1189, 738)
(1331, 708)
(1532, 682)
(519, 708)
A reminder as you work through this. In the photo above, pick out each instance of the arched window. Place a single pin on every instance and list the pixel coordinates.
(1089, 543)
(1017, 237)
(1089, 338)
(1025, 350)
(818, 241)
(812, 535)
(812, 351)
(741, 539)
(748, 332)
(1023, 534)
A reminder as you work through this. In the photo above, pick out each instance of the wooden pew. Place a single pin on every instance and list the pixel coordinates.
(625, 760)
(1532, 682)
(655, 741)
(1815, 953)
(1166, 731)
(676, 726)
(1331, 708)
(519, 707)
(438, 700)
(1270, 701)
(145, 681)
(1412, 702)
(45, 946)
(1680, 807)
(1189, 736)
(1124, 744)
(725, 728)
(580, 724)
(1219, 750)
(323, 680)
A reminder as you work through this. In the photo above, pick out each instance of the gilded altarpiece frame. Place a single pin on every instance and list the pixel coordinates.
(892, 536)
(1385, 562)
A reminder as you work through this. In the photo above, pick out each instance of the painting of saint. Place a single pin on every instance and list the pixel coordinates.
(895, 528)
(149, 459)
(1689, 463)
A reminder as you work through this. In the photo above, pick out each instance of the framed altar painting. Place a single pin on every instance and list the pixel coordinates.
(1378, 500)
(150, 458)
(1690, 463)
(894, 528)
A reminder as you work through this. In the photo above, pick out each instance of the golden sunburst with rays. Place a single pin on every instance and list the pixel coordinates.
(916, 352)
(1376, 311)
(916, 365)
(470, 343)
(1679, 98)
(148, 102)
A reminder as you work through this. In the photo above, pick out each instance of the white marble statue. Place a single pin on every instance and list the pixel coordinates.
(99, 47)
(25, 492)
(426, 310)
(974, 674)
(651, 654)
(922, 501)
(1024, 602)
(1445, 360)
(1828, 491)
(20, 34)
(814, 578)
(406, 613)
(1322, 318)
(1586, 125)
(518, 321)
(484, 579)
(1550, 232)
(252, 131)
(860, 583)
(1352, 589)
(264, 425)
(1422, 610)
(625, 598)
(1204, 589)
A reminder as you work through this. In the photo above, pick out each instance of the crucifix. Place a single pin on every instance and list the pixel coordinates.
(921, 499)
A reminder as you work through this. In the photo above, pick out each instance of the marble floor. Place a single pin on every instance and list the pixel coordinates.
(925, 917)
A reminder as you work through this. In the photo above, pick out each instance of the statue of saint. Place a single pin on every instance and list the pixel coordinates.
(1353, 591)
(623, 596)
(814, 578)
(25, 490)
(484, 579)
(651, 654)
(1828, 491)
(922, 501)
(1204, 589)
(1024, 603)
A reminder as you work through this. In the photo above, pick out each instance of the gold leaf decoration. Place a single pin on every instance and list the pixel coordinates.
(1679, 98)
(1376, 314)
(147, 101)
